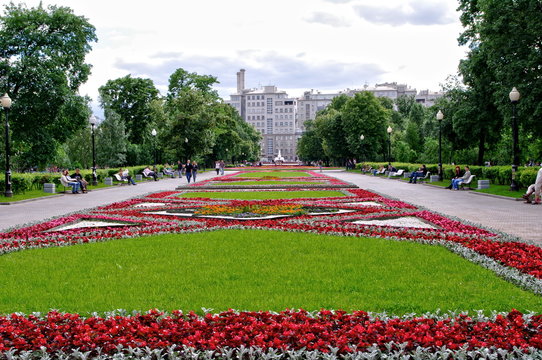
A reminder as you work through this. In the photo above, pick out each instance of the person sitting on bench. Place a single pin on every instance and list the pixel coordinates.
(458, 181)
(67, 181)
(147, 172)
(79, 178)
(416, 174)
(125, 175)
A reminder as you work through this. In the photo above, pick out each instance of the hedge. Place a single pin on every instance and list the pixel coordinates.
(22, 182)
(500, 175)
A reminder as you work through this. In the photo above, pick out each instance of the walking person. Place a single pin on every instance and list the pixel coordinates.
(188, 170)
(217, 167)
(195, 169)
(180, 168)
(222, 166)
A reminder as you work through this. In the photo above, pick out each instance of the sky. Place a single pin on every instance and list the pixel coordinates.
(296, 45)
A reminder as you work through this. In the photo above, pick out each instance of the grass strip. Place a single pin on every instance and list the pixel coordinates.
(262, 195)
(252, 270)
(265, 182)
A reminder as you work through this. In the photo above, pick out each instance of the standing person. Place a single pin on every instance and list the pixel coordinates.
(538, 188)
(180, 168)
(80, 179)
(195, 169)
(188, 170)
(217, 167)
(222, 166)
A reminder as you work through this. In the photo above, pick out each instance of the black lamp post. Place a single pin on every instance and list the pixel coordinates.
(5, 101)
(362, 137)
(186, 145)
(389, 130)
(514, 98)
(440, 116)
(92, 121)
(153, 133)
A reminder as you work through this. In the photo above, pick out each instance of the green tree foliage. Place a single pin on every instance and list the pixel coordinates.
(111, 141)
(336, 131)
(131, 99)
(309, 146)
(78, 149)
(42, 54)
(504, 41)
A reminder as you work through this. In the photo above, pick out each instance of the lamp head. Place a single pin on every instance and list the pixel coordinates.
(153, 132)
(389, 130)
(5, 101)
(440, 115)
(92, 120)
(514, 95)
(362, 137)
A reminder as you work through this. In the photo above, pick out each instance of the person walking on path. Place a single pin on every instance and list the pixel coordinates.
(222, 166)
(188, 170)
(195, 169)
(217, 167)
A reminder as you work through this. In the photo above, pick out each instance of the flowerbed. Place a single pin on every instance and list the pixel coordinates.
(291, 333)
(231, 334)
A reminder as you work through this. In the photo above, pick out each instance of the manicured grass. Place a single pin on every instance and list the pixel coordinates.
(252, 270)
(502, 190)
(262, 195)
(270, 182)
(279, 174)
(30, 194)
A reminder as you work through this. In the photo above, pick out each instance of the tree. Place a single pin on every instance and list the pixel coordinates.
(42, 54)
(364, 114)
(309, 146)
(131, 99)
(182, 80)
(111, 140)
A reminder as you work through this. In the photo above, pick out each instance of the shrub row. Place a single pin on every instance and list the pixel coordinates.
(22, 182)
(500, 175)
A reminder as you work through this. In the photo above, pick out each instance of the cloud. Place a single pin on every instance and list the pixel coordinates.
(262, 68)
(327, 19)
(338, 1)
(414, 13)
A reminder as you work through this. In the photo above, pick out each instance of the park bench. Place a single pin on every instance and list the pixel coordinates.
(398, 173)
(422, 180)
(468, 183)
(119, 180)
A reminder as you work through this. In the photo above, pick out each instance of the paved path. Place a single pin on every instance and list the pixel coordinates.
(44, 208)
(512, 217)
(509, 216)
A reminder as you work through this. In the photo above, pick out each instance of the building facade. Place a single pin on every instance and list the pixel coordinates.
(272, 113)
(281, 119)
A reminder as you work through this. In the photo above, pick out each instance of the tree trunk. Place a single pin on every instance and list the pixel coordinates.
(481, 147)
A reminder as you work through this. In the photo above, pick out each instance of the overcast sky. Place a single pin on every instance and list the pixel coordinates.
(296, 45)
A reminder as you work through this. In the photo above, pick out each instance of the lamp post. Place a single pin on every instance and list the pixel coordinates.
(153, 133)
(92, 121)
(389, 130)
(186, 145)
(440, 116)
(514, 98)
(5, 101)
(362, 137)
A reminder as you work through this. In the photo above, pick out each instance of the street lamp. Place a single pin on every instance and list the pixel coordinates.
(5, 101)
(389, 130)
(186, 146)
(514, 98)
(440, 116)
(153, 133)
(92, 120)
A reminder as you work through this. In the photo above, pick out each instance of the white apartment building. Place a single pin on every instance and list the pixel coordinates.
(281, 119)
(272, 113)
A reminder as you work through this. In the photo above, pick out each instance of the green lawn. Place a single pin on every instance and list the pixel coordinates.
(30, 194)
(278, 174)
(502, 190)
(262, 195)
(252, 270)
(265, 182)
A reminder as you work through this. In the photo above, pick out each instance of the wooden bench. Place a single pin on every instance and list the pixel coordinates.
(422, 180)
(119, 180)
(398, 173)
